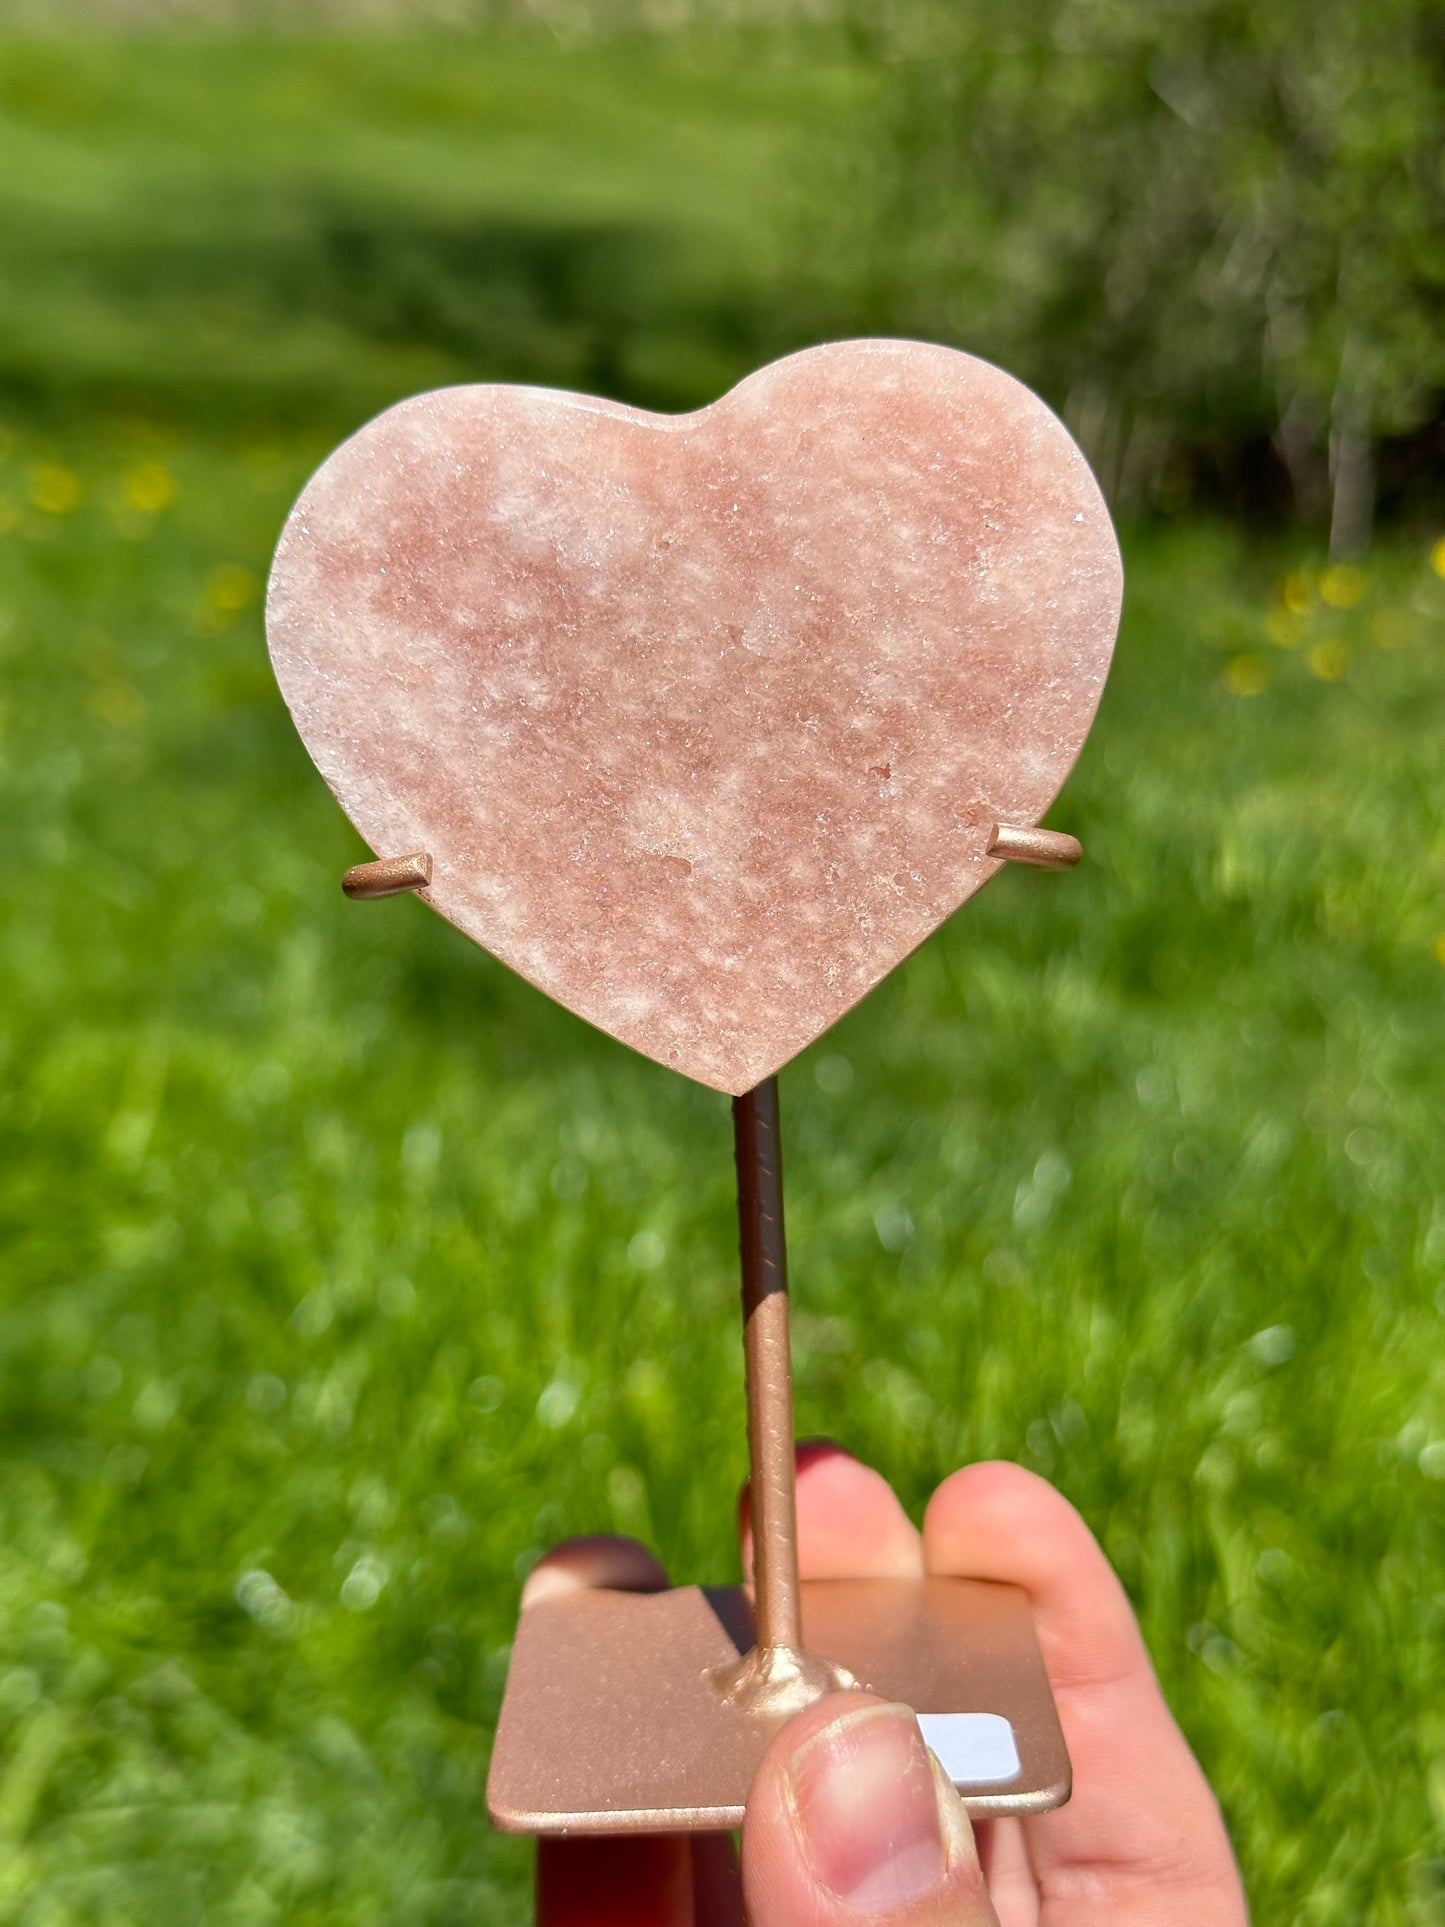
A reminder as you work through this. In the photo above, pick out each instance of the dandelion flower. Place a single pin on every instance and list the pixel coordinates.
(150, 487)
(230, 589)
(1295, 593)
(54, 488)
(1390, 628)
(1343, 586)
(1246, 676)
(1282, 626)
(1328, 659)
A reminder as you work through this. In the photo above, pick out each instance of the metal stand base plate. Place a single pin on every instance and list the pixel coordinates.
(616, 1721)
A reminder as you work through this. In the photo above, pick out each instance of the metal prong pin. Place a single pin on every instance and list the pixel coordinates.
(1044, 849)
(387, 878)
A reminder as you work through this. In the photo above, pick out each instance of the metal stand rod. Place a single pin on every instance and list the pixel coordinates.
(775, 1677)
(768, 1354)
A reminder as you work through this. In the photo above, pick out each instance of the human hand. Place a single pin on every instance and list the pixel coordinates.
(848, 1821)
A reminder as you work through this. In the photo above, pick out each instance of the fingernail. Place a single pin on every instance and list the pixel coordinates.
(867, 1809)
(598, 1559)
(811, 1451)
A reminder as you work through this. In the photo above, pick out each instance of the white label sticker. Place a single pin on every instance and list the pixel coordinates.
(974, 1749)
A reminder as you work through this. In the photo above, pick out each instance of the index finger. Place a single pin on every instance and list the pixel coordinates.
(1142, 1839)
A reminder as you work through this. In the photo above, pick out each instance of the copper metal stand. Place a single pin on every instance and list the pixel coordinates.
(778, 1676)
(630, 1712)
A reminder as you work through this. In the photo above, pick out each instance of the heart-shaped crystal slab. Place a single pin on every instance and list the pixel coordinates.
(704, 720)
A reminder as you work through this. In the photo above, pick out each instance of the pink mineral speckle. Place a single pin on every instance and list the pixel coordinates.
(704, 719)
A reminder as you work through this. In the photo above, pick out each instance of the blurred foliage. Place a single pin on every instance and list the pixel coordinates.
(342, 1272)
(315, 227)
(1211, 233)
(1214, 231)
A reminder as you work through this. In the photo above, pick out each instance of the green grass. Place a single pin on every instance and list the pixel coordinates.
(341, 1273)
(335, 1253)
(292, 227)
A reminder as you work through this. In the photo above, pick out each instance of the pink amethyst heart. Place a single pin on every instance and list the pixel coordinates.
(703, 719)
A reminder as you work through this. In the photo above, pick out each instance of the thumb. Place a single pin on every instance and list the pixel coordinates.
(851, 1819)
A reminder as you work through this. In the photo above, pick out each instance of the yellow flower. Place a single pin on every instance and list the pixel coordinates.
(1282, 627)
(1328, 659)
(150, 487)
(1390, 628)
(230, 589)
(1294, 592)
(117, 702)
(54, 488)
(1344, 585)
(1437, 557)
(1246, 676)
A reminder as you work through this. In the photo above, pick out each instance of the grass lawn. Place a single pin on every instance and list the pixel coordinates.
(342, 1273)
